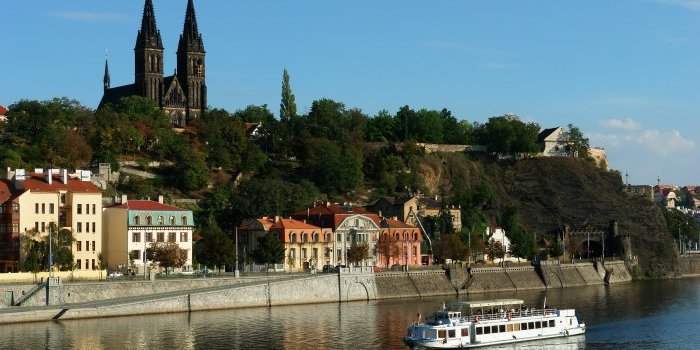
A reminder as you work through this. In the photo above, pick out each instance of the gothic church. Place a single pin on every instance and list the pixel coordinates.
(183, 95)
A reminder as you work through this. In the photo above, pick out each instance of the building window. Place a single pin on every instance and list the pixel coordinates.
(183, 236)
(149, 236)
(314, 253)
(36, 226)
(135, 255)
(63, 198)
(172, 221)
(93, 209)
(77, 264)
(78, 245)
(87, 227)
(172, 237)
(80, 208)
(36, 208)
(292, 253)
(184, 221)
(93, 263)
(51, 208)
(303, 253)
(339, 254)
(43, 227)
(160, 236)
(160, 220)
(149, 220)
(338, 237)
(93, 228)
(137, 220)
(43, 208)
(136, 237)
(328, 253)
(304, 238)
(79, 228)
(293, 238)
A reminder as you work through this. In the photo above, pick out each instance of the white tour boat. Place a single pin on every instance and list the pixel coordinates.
(492, 322)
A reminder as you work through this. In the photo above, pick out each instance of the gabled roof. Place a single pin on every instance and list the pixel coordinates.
(147, 205)
(291, 224)
(3, 110)
(113, 95)
(545, 134)
(37, 183)
(393, 223)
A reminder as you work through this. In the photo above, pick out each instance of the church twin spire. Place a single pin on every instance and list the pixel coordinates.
(149, 35)
(190, 39)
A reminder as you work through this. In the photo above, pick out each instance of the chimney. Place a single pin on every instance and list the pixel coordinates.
(49, 176)
(160, 198)
(124, 199)
(64, 176)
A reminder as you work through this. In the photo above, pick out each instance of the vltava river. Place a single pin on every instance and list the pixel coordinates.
(644, 315)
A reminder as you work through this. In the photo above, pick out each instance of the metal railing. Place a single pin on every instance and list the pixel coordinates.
(510, 315)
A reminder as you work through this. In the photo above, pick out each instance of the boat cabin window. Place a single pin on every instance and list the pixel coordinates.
(479, 331)
(551, 323)
(494, 329)
(544, 324)
(442, 333)
(487, 330)
(538, 325)
(465, 332)
(531, 325)
(502, 328)
(516, 327)
(452, 333)
(510, 327)
(523, 326)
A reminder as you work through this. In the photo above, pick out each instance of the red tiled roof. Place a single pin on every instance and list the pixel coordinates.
(3, 110)
(147, 205)
(291, 224)
(339, 218)
(37, 183)
(5, 191)
(391, 223)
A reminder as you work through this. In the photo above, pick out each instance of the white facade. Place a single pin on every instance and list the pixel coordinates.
(499, 235)
(555, 143)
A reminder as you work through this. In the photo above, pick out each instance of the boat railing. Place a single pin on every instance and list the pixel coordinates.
(510, 315)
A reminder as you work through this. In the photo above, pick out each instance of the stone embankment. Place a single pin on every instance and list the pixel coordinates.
(106, 299)
(689, 266)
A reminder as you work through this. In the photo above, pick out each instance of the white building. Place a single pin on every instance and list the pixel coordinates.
(498, 234)
(134, 226)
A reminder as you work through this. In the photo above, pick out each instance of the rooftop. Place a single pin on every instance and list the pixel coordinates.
(291, 224)
(37, 183)
(491, 303)
(147, 205)
(3, 110)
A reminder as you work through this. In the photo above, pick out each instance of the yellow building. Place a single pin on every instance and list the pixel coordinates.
(70, 201)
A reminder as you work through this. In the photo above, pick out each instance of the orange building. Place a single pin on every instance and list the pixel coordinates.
(305, 246)
(399, 244)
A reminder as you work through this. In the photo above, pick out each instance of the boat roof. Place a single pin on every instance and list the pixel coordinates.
(490, 303)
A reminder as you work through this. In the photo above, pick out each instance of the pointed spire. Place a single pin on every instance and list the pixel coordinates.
(149, 35)
(107, 80)
(191, 39)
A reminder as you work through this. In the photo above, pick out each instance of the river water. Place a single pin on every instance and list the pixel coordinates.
(641, 315)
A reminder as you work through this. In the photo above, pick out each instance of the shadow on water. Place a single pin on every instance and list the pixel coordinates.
(643, 315)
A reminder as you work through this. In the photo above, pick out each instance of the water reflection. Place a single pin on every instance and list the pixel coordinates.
(648, 315)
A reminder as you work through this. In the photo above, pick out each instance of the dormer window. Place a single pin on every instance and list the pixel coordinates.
(172, 221)
(161, 220)
(137, 220)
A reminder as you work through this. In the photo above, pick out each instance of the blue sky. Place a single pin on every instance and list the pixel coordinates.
(625, 71)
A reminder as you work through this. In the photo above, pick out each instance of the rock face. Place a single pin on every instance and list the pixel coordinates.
(550, 193)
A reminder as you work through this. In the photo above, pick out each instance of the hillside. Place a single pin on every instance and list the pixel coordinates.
(549, 193)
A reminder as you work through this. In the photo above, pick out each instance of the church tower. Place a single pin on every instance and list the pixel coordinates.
(106, 81)
(191, 65)
(149, 57)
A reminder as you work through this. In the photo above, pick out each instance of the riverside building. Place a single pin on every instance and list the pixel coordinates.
(135, 225)
(34, 201)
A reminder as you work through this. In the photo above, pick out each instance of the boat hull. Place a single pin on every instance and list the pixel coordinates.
(456, 345)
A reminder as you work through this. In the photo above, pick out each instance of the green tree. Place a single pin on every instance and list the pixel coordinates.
(215, 248)
(357, 253)
(167, 255)
(449, 247)
(508, 135)
(269, 250)
(577, 144)
(288, 106)
(495, 250)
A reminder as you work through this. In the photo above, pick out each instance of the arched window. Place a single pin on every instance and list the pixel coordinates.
(149, 220)
(315, 237)
(172, 220)
(184, 221)
(293, 237)
(305, 237)
(405, 236)
(137, 220)
(415, 236)
(396, 236)
(161, 220)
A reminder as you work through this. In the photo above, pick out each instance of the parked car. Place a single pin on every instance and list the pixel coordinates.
(115, 274)
(329, 269)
